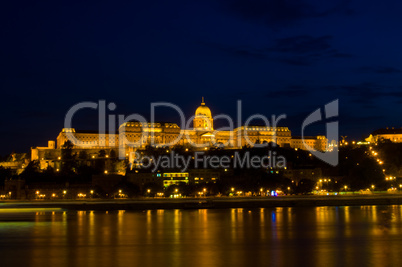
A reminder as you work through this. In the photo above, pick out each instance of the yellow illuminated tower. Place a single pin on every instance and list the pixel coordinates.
(203, 119)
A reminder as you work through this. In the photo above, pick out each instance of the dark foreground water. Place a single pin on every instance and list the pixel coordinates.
(311, 236)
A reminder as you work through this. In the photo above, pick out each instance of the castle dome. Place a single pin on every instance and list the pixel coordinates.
(203, 110)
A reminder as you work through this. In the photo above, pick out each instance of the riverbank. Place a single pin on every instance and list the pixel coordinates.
(210, 203)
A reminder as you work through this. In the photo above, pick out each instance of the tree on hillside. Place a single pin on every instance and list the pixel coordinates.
(68, 163)
(5, 173)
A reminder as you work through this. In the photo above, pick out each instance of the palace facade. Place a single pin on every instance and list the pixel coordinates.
(390, 134)
(137, 135)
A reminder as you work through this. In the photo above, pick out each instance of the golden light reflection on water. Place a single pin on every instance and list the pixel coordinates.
(310, 236)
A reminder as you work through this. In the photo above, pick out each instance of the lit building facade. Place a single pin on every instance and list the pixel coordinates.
(174, 178)
(134, 135)
(137, 135)
(315, 142)
(390, 134)
(87, 139)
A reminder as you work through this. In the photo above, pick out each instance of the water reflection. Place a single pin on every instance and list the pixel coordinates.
(313, 236)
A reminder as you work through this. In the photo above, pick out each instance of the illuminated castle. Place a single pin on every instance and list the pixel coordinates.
(203, 135)
(137, 135)
(388, 134)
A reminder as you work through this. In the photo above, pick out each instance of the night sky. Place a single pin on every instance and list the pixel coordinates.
(278, 57)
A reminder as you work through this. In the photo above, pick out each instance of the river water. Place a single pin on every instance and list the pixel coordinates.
(302, 236)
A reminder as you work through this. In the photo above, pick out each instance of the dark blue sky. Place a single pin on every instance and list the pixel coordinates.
(276, 56)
